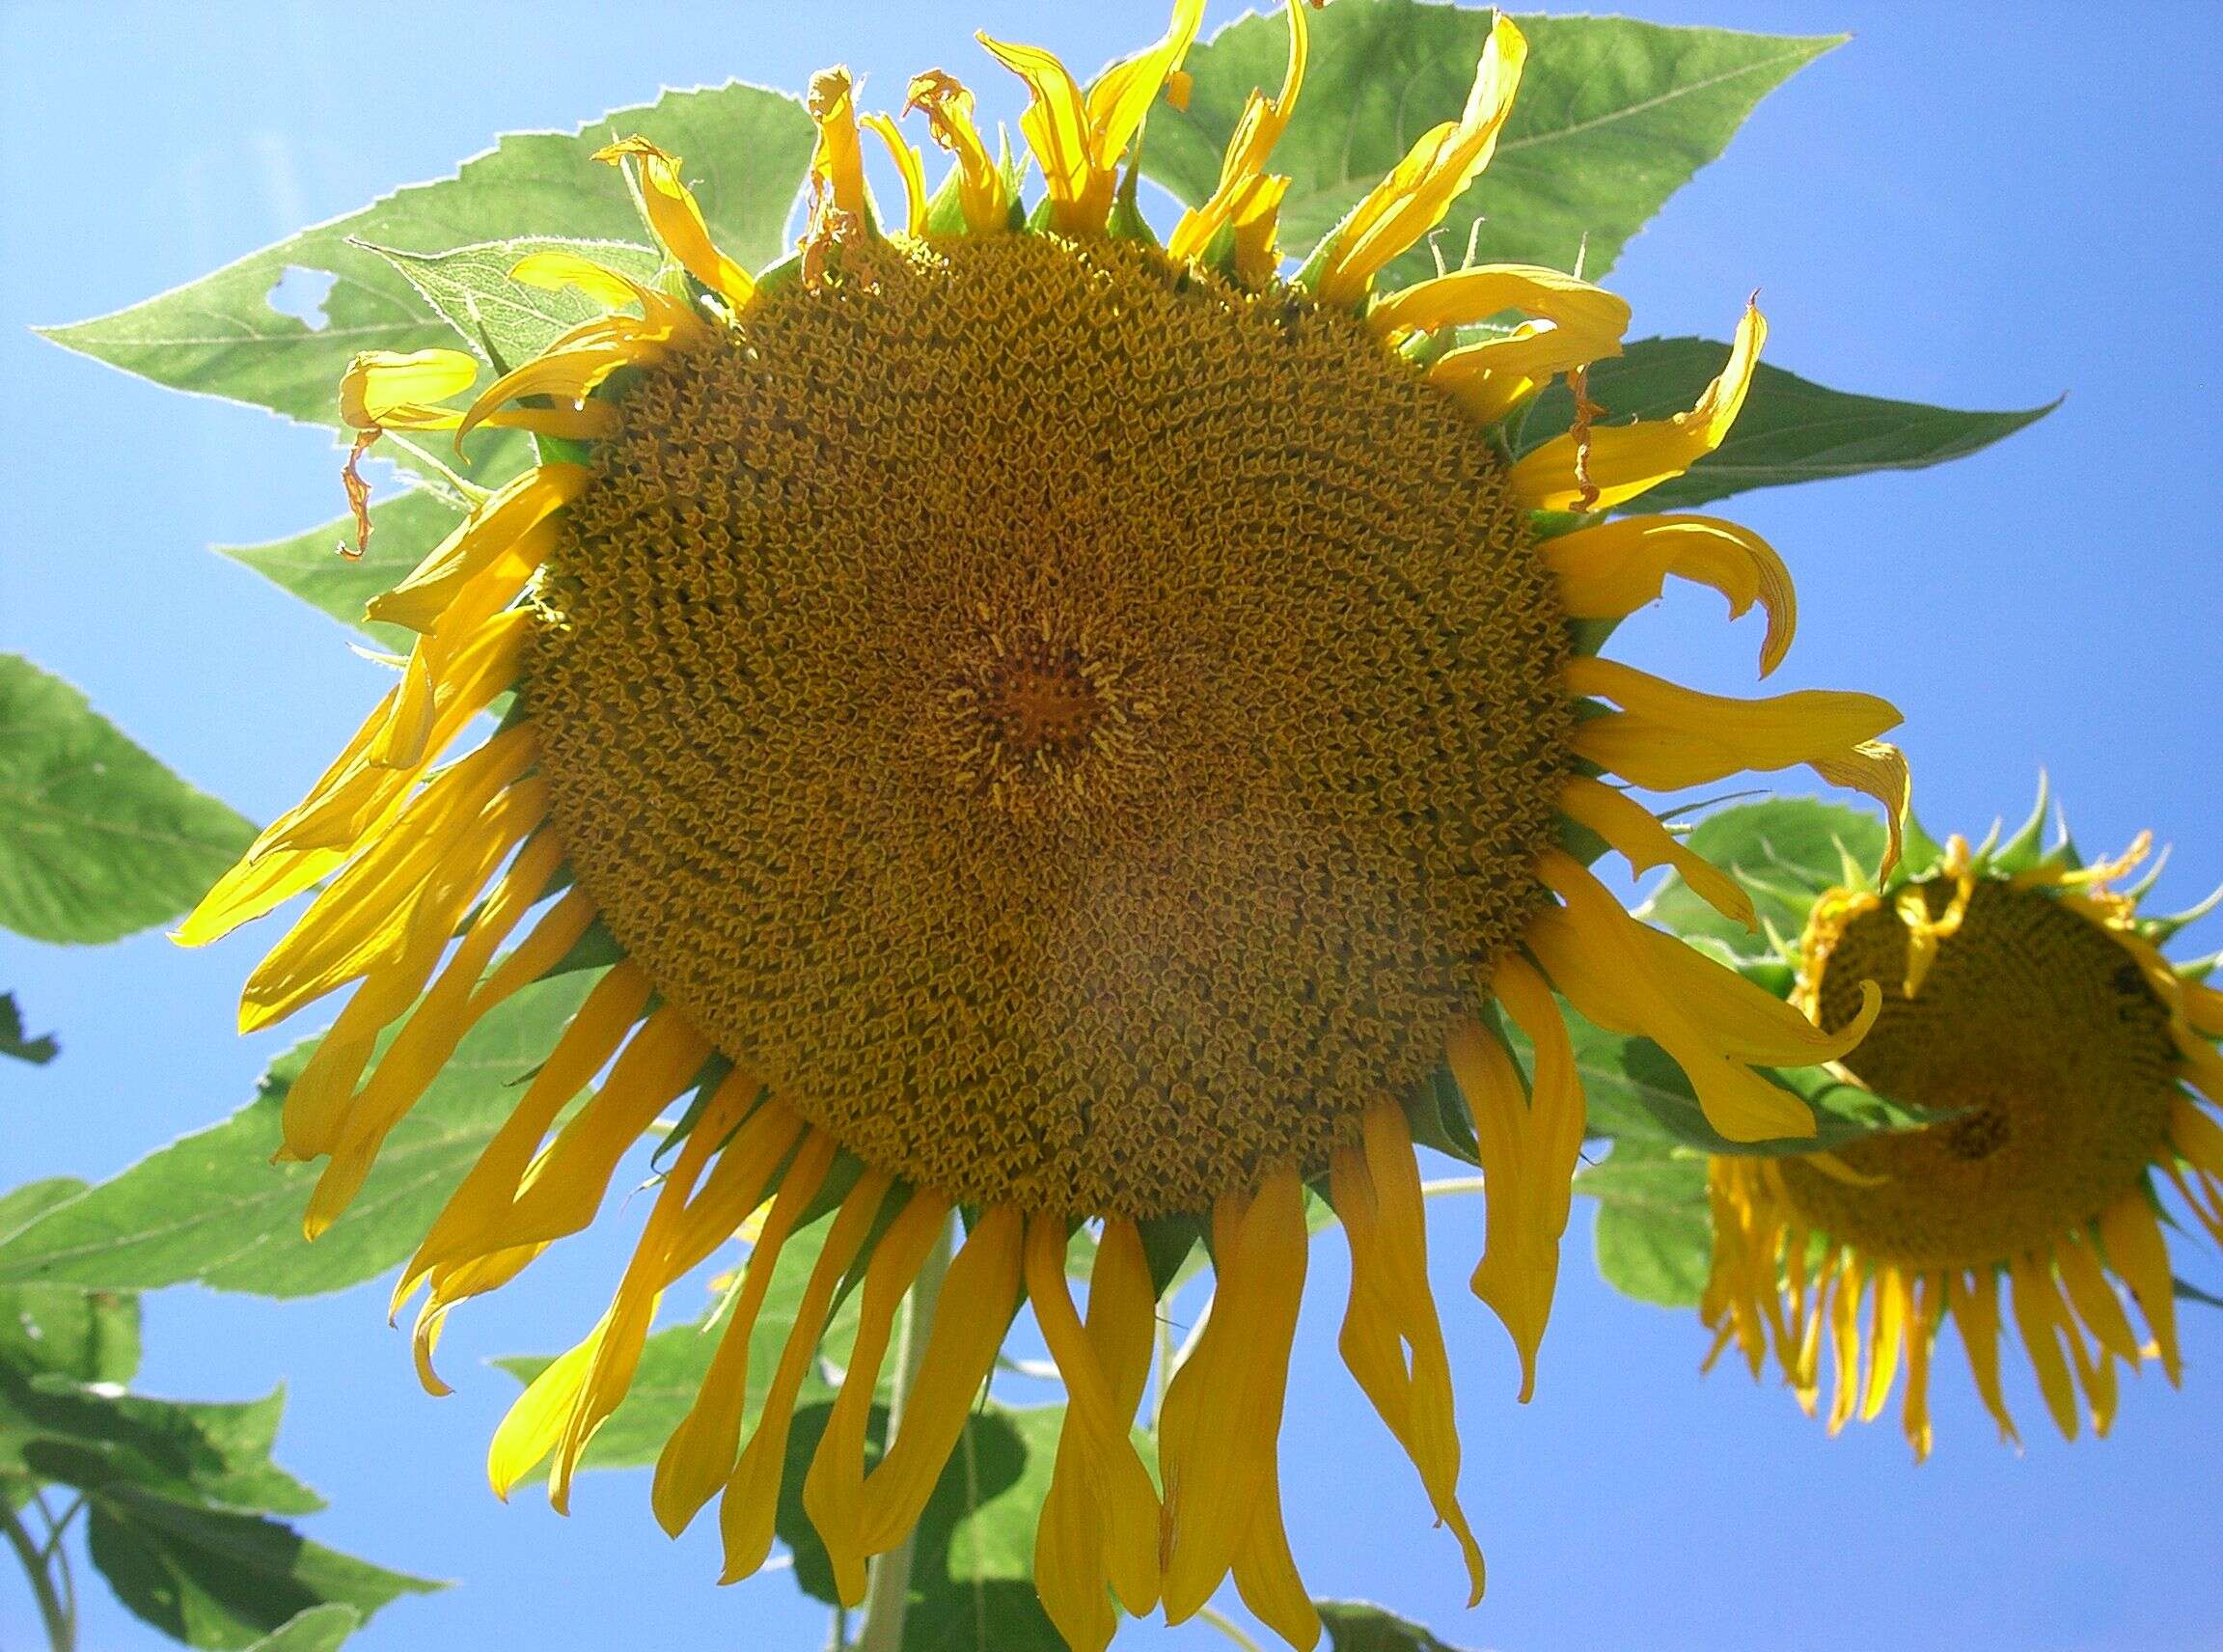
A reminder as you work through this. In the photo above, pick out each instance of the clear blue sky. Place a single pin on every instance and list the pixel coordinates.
(1983, 205)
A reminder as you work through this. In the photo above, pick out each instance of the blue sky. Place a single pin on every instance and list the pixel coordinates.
(1977, 205)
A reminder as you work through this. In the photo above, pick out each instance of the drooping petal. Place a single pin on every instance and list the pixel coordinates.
(1072, 1548)
(1611, 464)
(1614, 569)
(834, 1488)
(1222, 1414)
(1598, 956)
(978, 1299)
(1118, 1481)
(949, 109)
(676, 218)
(397, 391)
(1636, 833)
(700, 1453)
(1436, 171)
(745, 1513)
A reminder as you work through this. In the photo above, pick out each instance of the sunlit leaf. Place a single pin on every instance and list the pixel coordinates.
(745, 149)
(314, 566)
(97, 839)
(87, 1337)
(1655, 1238)
(1613, 116)
(212, 1208)
(505, 320)
(1361, 1626)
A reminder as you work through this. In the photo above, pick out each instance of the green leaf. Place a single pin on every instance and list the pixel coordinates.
(209, 1453)
(973, 1559)
(319, 1629)
(1785, 852)
(212, 1208)
(1654, 1235)
(1361, 1626)
(1791, 430)
(505, 320)
(745, 149)
(2184, 1291)
(1612, 118)
(1633, 1089)
(674, 1361)
(15, 1042)
(213, 1578)
(97, 839)
(87, 1337)
(316, 567)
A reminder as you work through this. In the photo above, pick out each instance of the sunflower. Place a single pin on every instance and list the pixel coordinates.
(2029, 1005)
(1051, 727)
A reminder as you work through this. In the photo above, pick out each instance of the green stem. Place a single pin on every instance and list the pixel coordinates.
(888, 1595)
(469, 493)
(60, 1634)
(1225, 1625)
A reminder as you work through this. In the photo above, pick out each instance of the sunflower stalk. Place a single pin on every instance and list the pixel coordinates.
(39, 1566)
(888, 1594)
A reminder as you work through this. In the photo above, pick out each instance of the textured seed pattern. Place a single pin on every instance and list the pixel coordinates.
(2045, 1032)
(1075, 727)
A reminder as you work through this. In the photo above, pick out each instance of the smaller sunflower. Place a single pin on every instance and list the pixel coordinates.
(2028, 1004)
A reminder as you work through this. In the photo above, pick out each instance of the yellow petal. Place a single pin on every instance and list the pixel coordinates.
(834, 1488)
(1614, 569)
(1667, 736)
(1243, 167)
(1072, 1573)
(1121, 1484)
(1598, 956)
(1055, 122)
(1218, 1443)
(2094, 1298)
(1636, 833)
(1376, 1188)
(977, 1298)
(676, 218)
(699, 1455)
(909, 164)
(1973, 1301)
(948, 110)
(1617, 462)
(384, 389)
(2038, 1315)
(2138, 1253)
(470, 1224)
(624, 1328)
(751, 1495)
(1266, 1574)
(492, 531)
(1434, 172)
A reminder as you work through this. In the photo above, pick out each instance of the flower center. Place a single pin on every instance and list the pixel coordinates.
(2041, 1031)
(1075, 729)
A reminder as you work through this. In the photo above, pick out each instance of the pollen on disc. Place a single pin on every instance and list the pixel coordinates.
(1076, 729)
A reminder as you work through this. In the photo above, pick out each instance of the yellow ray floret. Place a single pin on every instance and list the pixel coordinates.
(1613, 463)
(1246, 198)
(1077, 140)
(948, 110)
(1434, 172)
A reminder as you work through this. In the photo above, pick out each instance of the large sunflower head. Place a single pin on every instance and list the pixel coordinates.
(1036, 722)
(2027, 1005)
